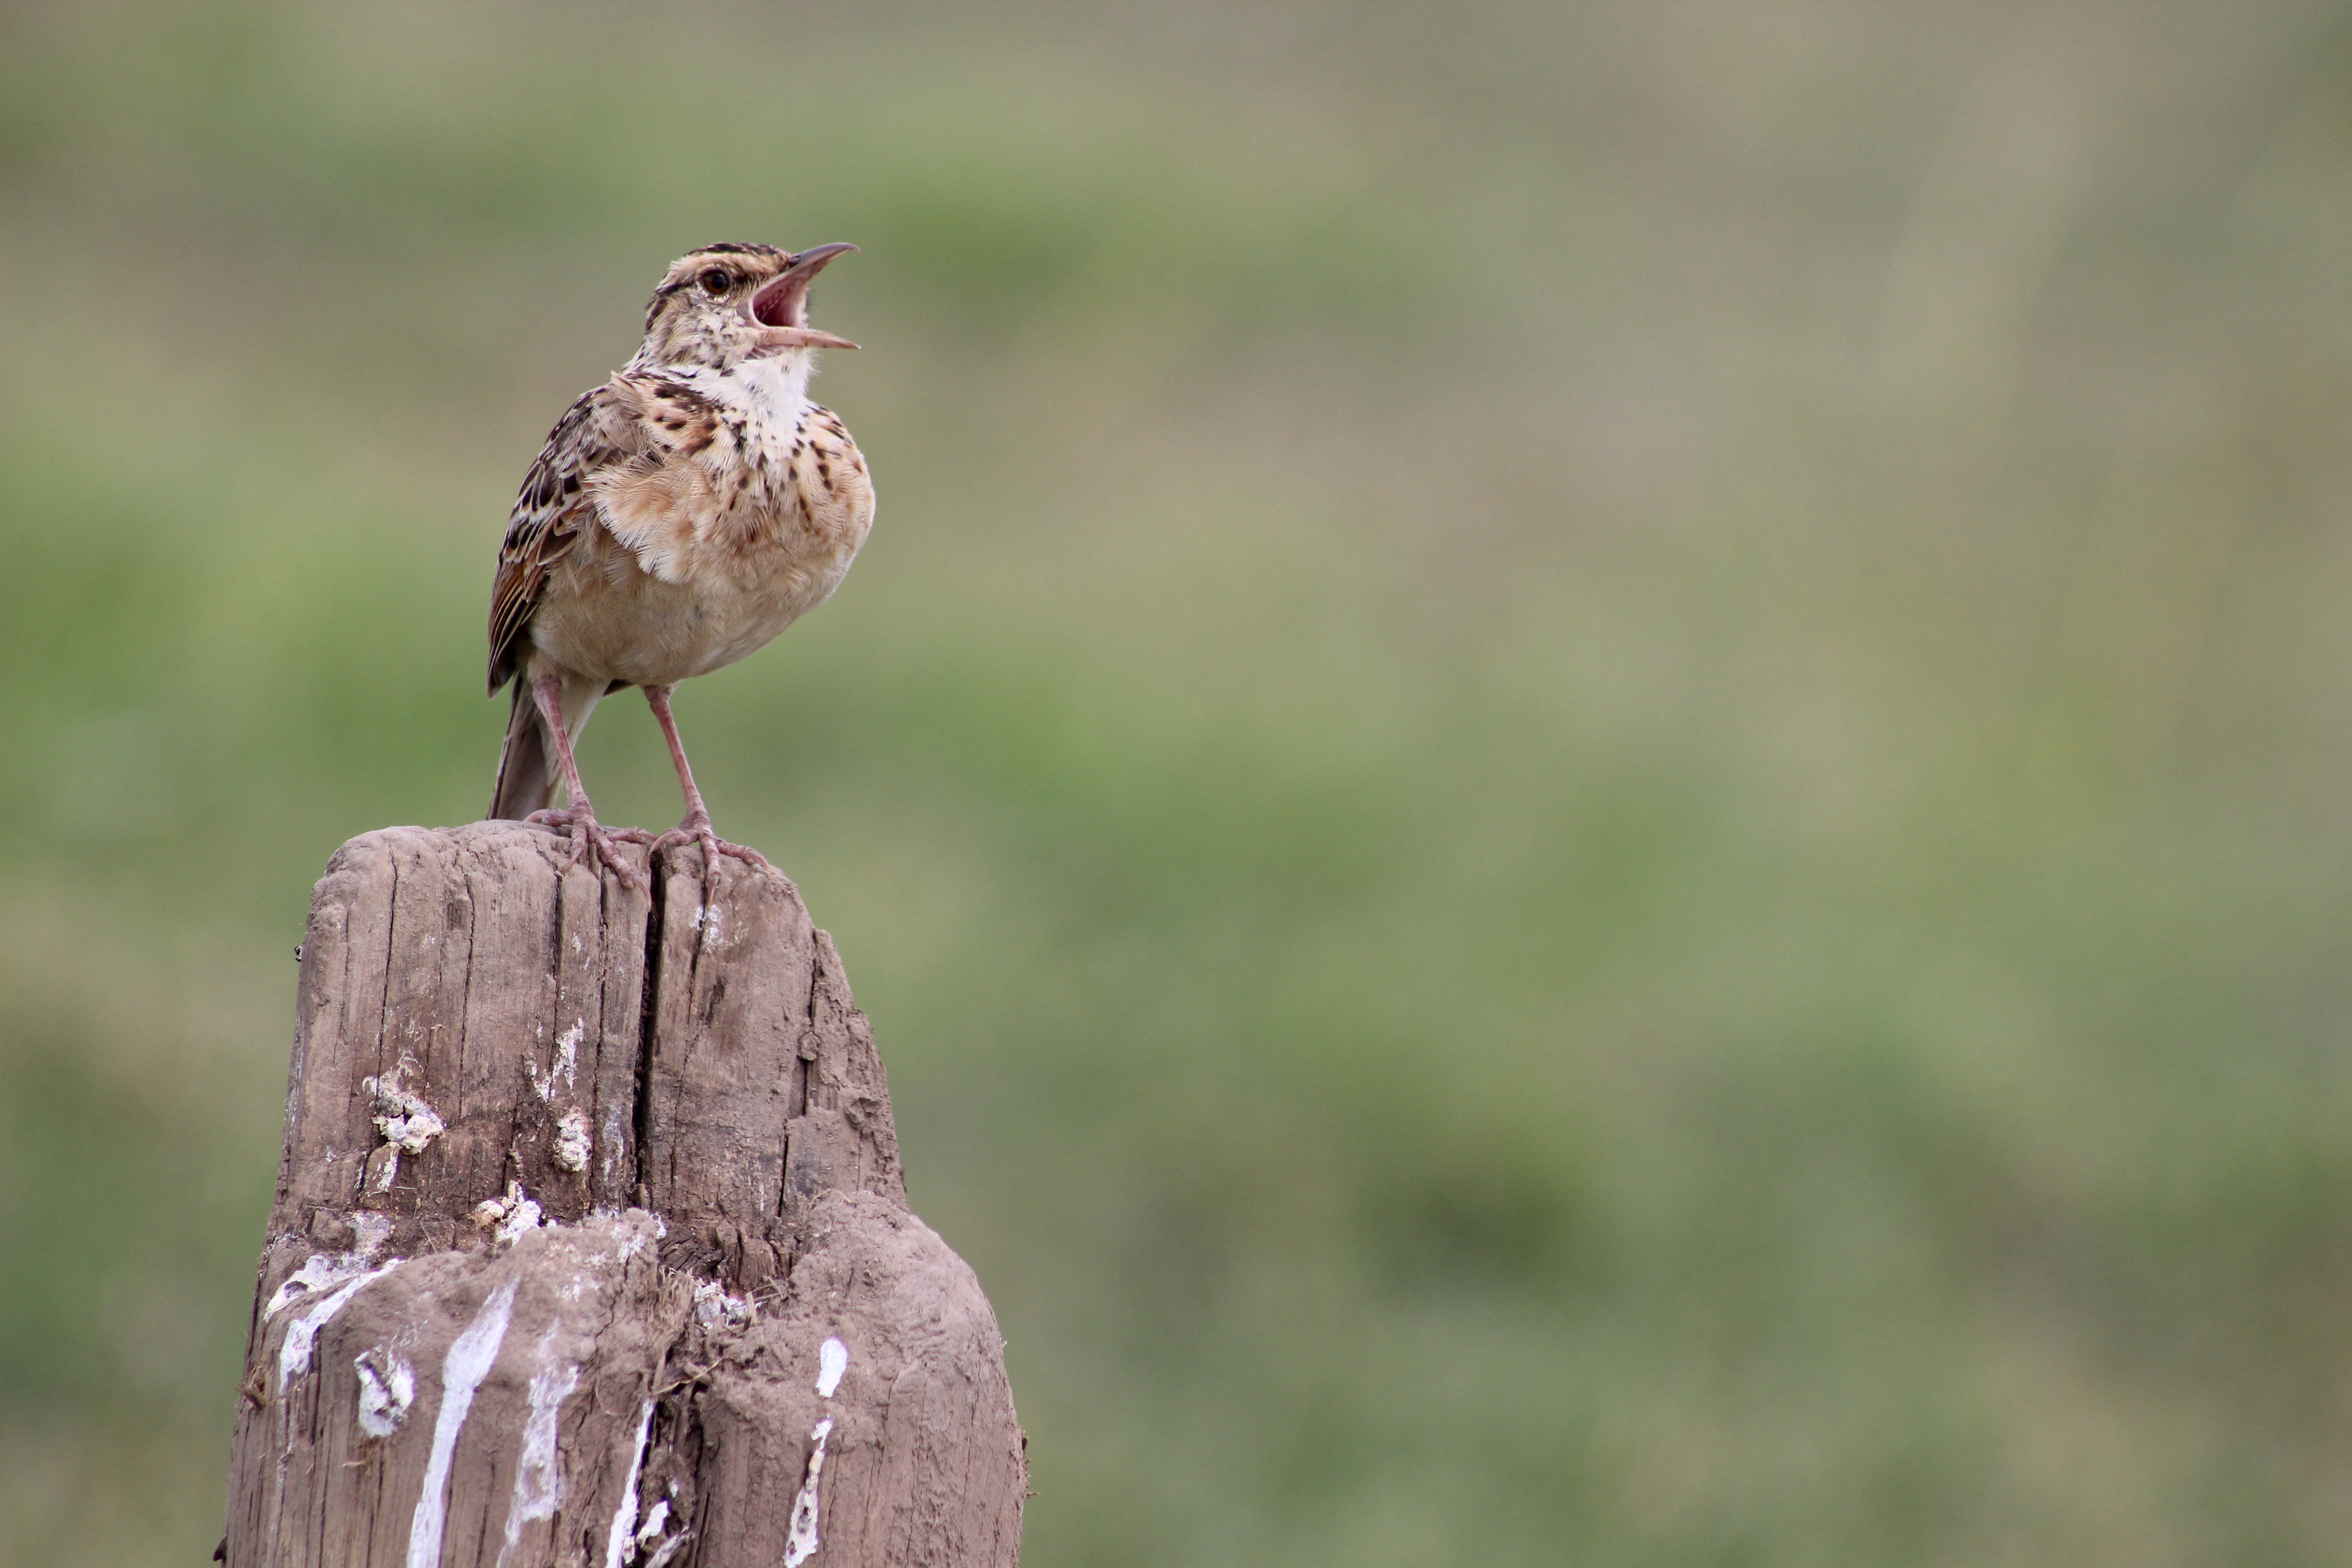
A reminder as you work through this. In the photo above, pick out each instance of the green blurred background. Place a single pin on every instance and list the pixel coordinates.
(1593, 778)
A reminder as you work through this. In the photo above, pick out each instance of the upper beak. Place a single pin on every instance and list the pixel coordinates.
(781, 307)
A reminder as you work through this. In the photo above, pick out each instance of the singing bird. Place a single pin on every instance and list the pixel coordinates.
(680, 517)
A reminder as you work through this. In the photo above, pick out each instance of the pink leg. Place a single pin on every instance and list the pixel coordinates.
(697, 825)
(579, 817)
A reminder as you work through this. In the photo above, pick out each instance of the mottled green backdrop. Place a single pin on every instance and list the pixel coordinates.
(1593, 775)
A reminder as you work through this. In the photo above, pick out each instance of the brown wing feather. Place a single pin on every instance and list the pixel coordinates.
(598, 433)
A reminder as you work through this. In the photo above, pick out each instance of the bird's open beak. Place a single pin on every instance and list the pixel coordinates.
(781, 307)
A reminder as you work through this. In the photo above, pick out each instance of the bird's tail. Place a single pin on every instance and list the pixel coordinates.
(527, 764)
(526, 767)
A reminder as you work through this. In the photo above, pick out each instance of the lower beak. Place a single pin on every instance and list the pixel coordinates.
(803, 337)
(781, 307)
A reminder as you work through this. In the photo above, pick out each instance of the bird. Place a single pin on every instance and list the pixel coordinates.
(678, 517)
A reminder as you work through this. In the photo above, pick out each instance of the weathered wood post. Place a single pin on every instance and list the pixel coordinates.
(590, 1245)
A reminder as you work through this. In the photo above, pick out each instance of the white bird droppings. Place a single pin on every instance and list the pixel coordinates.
(521, 1216)
(469, 1362)
(832, 1361)
(510, 1216)
(715, 1308)
(639, 1231)
(371, 1230)
(387, 1388)
(565, 1069)
(572, 1140)
(625, 1517)
(539, 1477)
(294, 1355)
(319, 1271)
(613, 1127)
(802, 1542)
(403, 1119)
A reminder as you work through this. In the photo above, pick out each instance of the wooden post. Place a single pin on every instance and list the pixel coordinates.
(590, 1245)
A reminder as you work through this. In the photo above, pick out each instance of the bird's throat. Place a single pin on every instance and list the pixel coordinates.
(774, 387)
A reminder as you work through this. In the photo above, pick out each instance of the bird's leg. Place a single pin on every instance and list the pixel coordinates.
(579, 817)
(697, 825)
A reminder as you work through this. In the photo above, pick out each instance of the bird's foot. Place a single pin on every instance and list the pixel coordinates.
(695, 829)
(588, 835)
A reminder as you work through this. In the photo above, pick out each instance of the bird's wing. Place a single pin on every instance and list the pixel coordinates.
(599, 434)
(673, 493)
(835, 487)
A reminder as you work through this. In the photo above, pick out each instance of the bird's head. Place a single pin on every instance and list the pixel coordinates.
(725, 304)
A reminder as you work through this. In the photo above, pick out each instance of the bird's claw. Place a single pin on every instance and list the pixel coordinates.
(587, 834)
(697, 829)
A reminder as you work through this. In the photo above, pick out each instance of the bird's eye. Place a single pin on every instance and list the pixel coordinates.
(716, 282)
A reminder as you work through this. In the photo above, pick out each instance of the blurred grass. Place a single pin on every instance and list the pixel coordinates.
(1591, 778)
